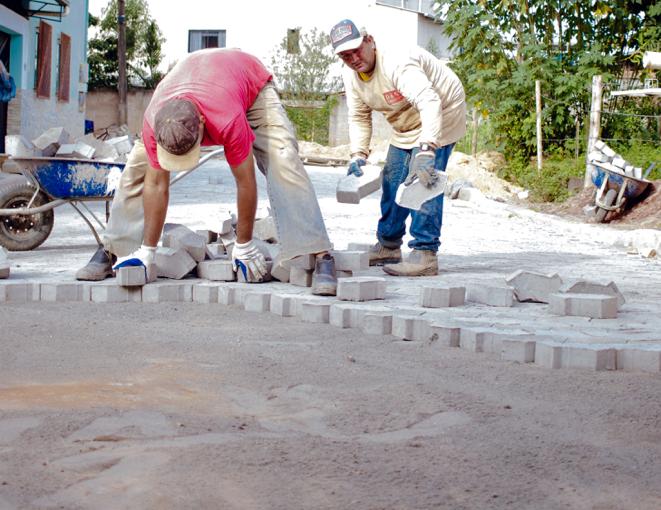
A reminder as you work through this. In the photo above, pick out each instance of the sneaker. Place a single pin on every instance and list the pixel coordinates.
(98, 268)
(418, 263)
(380, 255)
(324, 278)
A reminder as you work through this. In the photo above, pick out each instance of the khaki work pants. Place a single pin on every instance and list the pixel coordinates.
(294, 205)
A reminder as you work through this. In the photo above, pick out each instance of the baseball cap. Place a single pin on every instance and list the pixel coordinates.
(178, 135)
(346, 36)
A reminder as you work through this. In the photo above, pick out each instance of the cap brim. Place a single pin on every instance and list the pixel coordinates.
(174, 163)
(349, 45)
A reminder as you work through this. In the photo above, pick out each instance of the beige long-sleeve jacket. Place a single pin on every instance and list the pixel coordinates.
(421, 98)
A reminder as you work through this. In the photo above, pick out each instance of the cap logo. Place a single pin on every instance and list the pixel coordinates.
(340, 33)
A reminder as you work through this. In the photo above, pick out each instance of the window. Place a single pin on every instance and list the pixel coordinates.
(293, 38)
(64, 71)
(201, 39)
(44, 46)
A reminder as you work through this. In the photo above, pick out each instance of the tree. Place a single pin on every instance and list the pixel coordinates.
(305, 74)
(503, 46)
(143, 46)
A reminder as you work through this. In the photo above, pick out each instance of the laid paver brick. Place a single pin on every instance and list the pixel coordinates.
(19, 292)
(588, 287)
(376, 323)
(64, 292)
(111, 293)
(216, 270)
(639, 359)
(522, 351)
(590, 357)
(257, 301)
(341, 315)
(359, 246)
(304, 262)
(300, 277)
(315, 311)
(227, 295)
(409, 327)
(535, 287)
(492, 295)
(283, 305)
(445, 335)
(281, 272)
(167, 292)
(548, 355)
(361, 288)
(351, 260)
(205, 292)
(595, 306)
(442, 296)
(475, 339)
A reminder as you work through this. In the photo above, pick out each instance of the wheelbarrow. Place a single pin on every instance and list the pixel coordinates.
(614, 187)
(39, 185)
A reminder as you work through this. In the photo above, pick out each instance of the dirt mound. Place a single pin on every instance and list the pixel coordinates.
(642, 213)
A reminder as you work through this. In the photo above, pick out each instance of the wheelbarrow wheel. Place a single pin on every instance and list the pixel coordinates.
(22, 232)
(609, 200)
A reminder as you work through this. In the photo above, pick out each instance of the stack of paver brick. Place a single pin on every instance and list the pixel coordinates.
(56, 142)
(603, 155)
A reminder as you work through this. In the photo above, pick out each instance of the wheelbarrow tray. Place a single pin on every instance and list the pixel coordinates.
(62, 178)
(634, 186)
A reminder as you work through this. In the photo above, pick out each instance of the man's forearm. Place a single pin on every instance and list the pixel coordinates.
(246, 198)
(155, 196)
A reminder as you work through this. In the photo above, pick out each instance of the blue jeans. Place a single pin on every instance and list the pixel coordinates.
(425, 223)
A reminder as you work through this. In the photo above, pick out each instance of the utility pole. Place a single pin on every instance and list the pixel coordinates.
(122, 82)
(538, 111)
(595, 124)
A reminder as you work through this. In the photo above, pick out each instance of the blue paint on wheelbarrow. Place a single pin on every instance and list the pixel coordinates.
(72, 179)
(615, 180)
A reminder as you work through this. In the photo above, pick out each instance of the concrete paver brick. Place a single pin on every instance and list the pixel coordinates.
(535, 287)
(548, 355)
(20, 147)
(111, 293)
(205, 292)
(359, 247)
(227, 225)
(179, 236)
(208, 235)
(50, 140)
(281, 272)
(265, 230)
(227, 295)
(445, 335)
(475, 339)
(351, 188)
(376, 323)
(4, 270)
(442, 296)
(174, 263)
(216, 270)
(300, 277)
(315, 311)
(136, 276)
(19, 292)
(341, 315)
(306, 262)
(639, 359)
(257, 301)
(581, 356)
(522, 351)
(361, 288)
(344, 274)
(65, 292)
(595, 306)
(587, 287)
(216, 251)
(492, 295)
(416, 194)
(351, 260)
(167, 292)
(409, 327)
(283, 305)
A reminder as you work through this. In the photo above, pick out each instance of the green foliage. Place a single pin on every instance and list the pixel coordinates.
(305, 74)
(312, 123)
(549, 185)
(504, 46)
(143, 47)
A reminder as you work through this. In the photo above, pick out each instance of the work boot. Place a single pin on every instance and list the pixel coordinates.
(380, 255)
(418, 263)
(324, 278)
(98, 268)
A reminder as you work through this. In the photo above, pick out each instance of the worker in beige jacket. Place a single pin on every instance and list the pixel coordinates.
(424, 102)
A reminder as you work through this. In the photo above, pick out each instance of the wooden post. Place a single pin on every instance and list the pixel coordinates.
(578, 139)
(476, 125)
(595, 124)
(122, 82)
(538, 103)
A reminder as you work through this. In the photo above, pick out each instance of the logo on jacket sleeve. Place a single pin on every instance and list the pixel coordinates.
(393, 97)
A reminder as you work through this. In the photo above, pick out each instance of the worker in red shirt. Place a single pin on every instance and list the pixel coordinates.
(217, 97)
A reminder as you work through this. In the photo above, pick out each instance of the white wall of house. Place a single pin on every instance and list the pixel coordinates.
(28, 114)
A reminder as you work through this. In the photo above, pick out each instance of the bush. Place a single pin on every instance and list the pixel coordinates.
(551, 184)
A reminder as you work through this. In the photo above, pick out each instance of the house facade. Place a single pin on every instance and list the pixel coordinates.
(227, 24)
(44, 47)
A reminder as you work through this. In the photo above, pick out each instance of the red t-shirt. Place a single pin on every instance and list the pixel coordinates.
(223, 84)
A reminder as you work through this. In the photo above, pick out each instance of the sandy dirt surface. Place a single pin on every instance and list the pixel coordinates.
(192, 406)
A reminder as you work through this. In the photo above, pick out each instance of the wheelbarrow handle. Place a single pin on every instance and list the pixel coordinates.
(648, 170)
(203, 160)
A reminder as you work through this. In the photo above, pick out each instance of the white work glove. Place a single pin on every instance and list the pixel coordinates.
(250, 261)
(143, 256)
(422, 167)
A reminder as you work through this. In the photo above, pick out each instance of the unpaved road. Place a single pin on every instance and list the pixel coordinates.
(203, 406)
